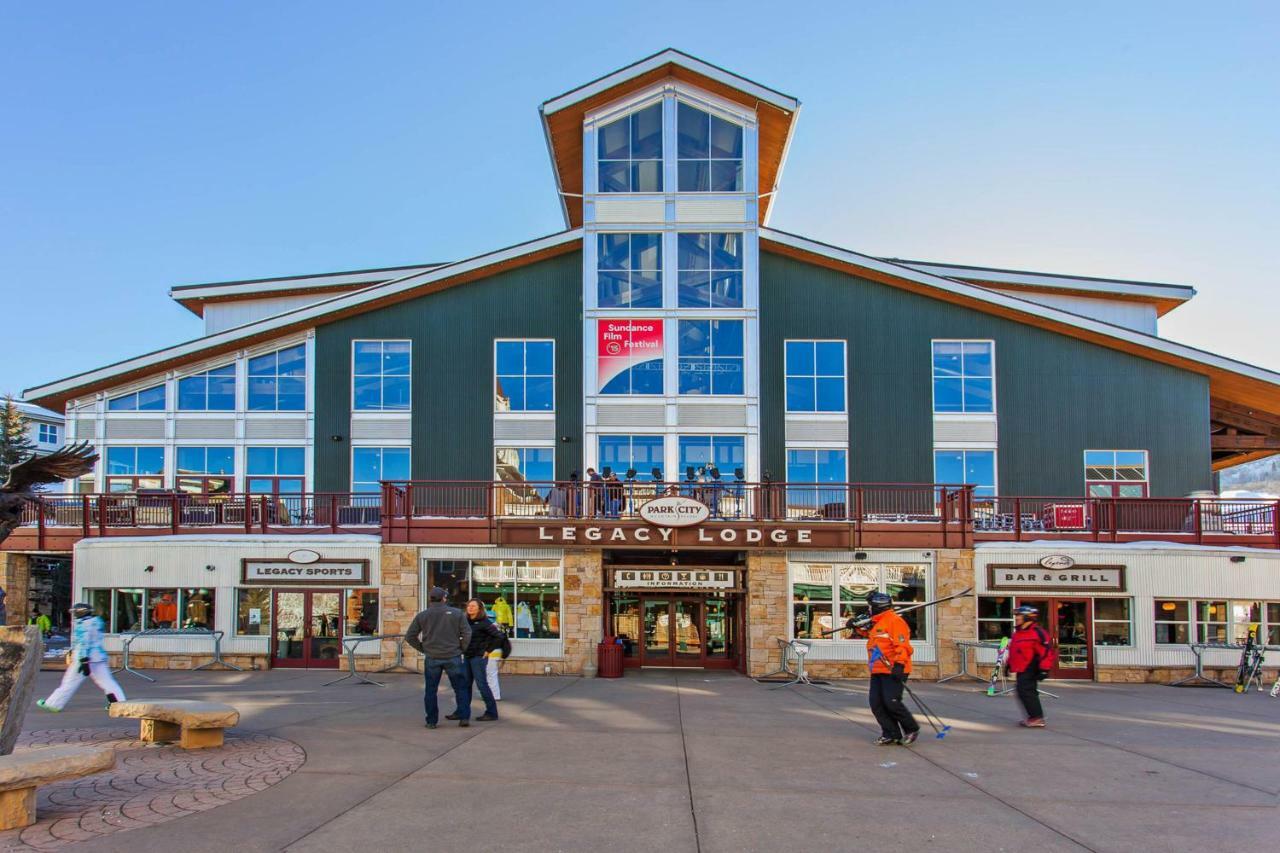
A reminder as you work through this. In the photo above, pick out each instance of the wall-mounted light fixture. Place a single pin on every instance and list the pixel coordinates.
(1237, 558)
(149, 569)
(210, 568)
(335, 438)
(859, 555)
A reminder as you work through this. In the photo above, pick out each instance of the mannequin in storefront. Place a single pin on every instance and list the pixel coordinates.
(164, 612)
(1031, 656)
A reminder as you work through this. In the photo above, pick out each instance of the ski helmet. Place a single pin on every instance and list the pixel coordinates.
(879, 602)
(79, 610)
(1026, 611)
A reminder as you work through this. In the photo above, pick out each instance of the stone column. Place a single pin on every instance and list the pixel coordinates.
(21, 652)
(582, 611)
(958, 619)
(400, 599)
(768, 610)
(15, 578)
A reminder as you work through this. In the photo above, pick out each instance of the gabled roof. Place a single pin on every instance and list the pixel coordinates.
(1229, 379)
(562, 118)
(1164, 296)
(194, 297)
(300, 319)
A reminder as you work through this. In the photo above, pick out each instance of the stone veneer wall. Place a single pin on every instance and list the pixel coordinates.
(768, 610)
(15, 577)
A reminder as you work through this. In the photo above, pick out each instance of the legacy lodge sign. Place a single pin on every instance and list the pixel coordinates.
(725, 535)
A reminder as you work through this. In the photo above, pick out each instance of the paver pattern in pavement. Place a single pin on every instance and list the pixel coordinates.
(151, 783)
(691, 761)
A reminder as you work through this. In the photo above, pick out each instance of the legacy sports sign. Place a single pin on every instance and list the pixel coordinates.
(720, 535)
(1077, 578)
(317, 573)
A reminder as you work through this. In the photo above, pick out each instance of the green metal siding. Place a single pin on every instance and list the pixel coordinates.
(1055, 396)
(453, 333)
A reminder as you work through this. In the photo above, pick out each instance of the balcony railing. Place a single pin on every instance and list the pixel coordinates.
(53, 522)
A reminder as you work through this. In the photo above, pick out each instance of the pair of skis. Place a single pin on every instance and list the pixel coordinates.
(1002, 657)
(1251, 659)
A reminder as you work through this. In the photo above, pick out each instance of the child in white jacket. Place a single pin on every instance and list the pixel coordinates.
(88, 659)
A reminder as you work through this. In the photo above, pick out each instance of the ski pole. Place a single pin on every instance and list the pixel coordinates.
(928, 713)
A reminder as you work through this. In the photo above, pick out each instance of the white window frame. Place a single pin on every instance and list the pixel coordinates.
(746, 348)
(307, 379)
(815, 447)
(381, 409)
(742, 270)
(235, 390)
(135, 410)
(525, 376)
(995, 399)
(600, 122)
(47, 433)
(1146, 470)
(931, 581)
(1093, 613)
(995, 467)
(675, 145)
(787, 374)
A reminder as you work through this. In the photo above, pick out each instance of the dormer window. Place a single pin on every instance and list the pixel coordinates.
(709, 150)
(630, 152)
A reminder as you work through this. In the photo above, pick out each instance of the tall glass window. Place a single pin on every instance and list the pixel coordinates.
(274, 470)
(211, 391)
(726, 453)
(963, 376)
(971, 467)
(711, 356)
(521, 596)
(710, 270)
(815, 372)
(630, 356)
(623, 452)
(816, 588)
(629, 152)
(524, 464)
(1116, 473)
(205, 470)
(146, 400)
(524, 376)
(278, 380)
(371, 465)
(629, 270)
(133, 468)
(709, 150)
(816, 466)
(380, 376)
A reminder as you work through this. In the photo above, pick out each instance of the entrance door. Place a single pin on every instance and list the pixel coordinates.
(308, 628)
(683, 630)
(1069, 623)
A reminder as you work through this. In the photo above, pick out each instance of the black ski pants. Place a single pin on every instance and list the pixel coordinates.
(889, 709)
(1029, 694)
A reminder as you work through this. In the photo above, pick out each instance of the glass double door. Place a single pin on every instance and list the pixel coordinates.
(686, 631)
(1069, 622)
(306, 628)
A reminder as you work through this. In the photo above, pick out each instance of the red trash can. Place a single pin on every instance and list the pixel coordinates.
(609, 658)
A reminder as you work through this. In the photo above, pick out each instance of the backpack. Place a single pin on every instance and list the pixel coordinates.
(505, 645)
(1049, 659)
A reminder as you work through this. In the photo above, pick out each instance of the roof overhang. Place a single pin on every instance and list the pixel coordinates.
(194, 297)
(1235, 382)
(562, 119)
(56, 394)
(1165, 297)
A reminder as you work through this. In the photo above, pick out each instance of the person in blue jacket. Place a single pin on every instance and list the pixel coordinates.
(87, 659)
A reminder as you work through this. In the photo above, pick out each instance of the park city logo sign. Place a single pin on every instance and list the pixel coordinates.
(674, 511)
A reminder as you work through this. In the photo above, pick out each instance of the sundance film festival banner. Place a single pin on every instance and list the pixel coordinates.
(629, 356)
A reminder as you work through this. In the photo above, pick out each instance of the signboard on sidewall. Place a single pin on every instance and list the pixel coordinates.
(267, 572)
(1038, 578)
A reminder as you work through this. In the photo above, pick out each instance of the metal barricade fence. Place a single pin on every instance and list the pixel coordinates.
(216, 636)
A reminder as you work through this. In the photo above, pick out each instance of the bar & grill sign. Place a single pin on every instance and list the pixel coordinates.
(321, 572)
(1042, 578)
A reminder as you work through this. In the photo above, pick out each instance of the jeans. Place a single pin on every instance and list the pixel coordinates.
(889, 710)
(457, 680)
(478, 674)
(1028, 687)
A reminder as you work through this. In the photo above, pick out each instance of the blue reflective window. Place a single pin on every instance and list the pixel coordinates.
(524, 376)
(710, 270)
(966, 467)
(623, 452)
(146, 400)
(134, 461)
(629, 270)
(371, 465)
(381, 376)
(725, 452)
(711, 357)
(815, 477)
(815, 376)
(211, 391)
(277, 381)
(963, 376)
(526, 465)
(205, 460)
(709, 151)
(275, 461)
(629, 152)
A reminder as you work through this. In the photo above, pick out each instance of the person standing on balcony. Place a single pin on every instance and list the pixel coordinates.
(442, 634)
(889, 655)
(595, 492)
(87, 659)
(1030, 657)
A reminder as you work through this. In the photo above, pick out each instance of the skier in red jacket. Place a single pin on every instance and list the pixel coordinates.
(1030, 657)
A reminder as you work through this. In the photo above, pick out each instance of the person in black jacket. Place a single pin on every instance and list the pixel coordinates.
(485, 637)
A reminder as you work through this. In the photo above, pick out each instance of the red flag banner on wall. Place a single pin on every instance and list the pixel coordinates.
(623, 344)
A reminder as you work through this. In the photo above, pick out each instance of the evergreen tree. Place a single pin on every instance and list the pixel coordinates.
(15, 444)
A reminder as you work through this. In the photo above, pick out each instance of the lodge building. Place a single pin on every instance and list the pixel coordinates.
(784, 425)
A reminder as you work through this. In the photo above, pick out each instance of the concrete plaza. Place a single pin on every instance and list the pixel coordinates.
(693, 761)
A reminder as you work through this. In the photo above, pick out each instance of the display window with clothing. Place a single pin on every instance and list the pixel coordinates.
(522, 597)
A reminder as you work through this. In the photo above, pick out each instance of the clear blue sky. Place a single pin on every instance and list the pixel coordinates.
(153, 144)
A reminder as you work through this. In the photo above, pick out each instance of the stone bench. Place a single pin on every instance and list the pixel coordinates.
(23, 772)
(195, 725)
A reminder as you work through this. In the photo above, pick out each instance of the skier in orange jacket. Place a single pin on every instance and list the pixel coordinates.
(889, 653)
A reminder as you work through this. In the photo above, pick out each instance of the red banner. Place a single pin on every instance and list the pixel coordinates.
(624, 344)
